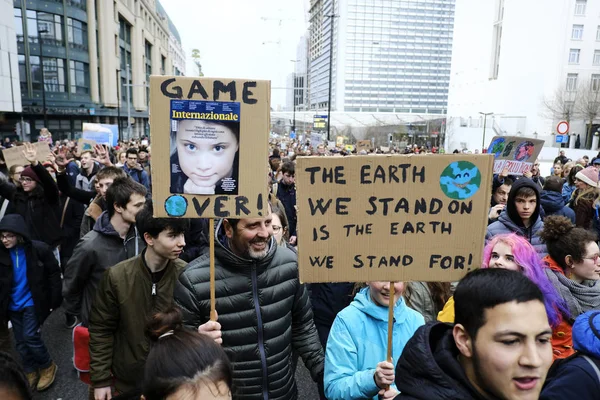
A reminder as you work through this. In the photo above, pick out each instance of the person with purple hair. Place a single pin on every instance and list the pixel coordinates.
(511, 251)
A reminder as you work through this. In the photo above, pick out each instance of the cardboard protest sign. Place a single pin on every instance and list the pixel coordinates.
(101, 133)
(211, 135)
(514, 153)
(14, 155)
(391, 217)
(85, 145)
(363, 145)
(339, 141)
(315, 139)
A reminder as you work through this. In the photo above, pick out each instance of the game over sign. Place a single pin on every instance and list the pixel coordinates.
(391, 218)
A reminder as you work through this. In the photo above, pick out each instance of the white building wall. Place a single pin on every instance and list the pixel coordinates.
(535, 43)
(10, 90)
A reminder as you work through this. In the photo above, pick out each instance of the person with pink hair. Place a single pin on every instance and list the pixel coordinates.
(511, 251)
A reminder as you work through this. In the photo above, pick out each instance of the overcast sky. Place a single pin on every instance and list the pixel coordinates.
(253, 39)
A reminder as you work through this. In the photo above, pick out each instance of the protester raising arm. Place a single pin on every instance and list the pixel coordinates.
(82, 196)
(50, 189)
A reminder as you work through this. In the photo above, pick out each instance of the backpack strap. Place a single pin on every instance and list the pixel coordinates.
(594, 366)
(4, 207)
(62, 219)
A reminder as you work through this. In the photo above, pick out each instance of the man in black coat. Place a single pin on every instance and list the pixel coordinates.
(499, 348)
(263, 310)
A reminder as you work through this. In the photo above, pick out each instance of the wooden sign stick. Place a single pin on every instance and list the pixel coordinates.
(211, 239)
(391, 305)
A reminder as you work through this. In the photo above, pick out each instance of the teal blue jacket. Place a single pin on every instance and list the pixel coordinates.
(358, 342)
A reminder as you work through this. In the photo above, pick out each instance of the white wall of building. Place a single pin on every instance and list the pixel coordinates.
(533, 64)
(10, 90)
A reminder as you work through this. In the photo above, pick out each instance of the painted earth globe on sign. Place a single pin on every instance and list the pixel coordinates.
(460, 180)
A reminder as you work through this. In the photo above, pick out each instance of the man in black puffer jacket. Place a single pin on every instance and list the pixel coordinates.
(263, 310)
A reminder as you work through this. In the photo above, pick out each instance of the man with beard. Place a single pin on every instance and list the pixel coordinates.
(498, 349)
(263, 309)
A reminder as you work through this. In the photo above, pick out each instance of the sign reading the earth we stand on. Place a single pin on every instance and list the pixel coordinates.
(391, 218)
(209, 146)
(514, 153)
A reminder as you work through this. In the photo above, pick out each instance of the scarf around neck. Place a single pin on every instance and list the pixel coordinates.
(580, 297)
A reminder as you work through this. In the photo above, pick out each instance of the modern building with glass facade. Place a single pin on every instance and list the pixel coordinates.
(388, 55)
(85, 47)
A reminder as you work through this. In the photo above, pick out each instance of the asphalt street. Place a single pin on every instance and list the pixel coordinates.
(68, 387)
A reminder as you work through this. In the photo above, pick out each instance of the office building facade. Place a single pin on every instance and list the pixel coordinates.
(527, 73)
(74, 57)
(388, 55)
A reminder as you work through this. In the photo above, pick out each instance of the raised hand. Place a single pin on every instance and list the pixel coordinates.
(102, 155)
(62, 158)
(30, 153)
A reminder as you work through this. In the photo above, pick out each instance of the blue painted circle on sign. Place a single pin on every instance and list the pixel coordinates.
(176, 206)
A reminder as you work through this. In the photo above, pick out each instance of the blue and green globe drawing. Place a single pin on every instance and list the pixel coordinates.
(176, 206)
(460, 180)
(496, 147)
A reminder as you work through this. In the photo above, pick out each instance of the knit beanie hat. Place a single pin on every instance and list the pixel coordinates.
(588, 175)
(554, 184)
(586, 333)
(30, 173)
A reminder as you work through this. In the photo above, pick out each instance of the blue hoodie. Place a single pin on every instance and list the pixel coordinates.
(358, 342)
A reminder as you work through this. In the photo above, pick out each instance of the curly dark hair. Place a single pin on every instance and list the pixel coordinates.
(564, 239)
(13, 378)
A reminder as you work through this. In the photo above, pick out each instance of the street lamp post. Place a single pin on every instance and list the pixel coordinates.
(119, 104)
(44, 111)
(485, 115)
(295, 94)
(332, 19)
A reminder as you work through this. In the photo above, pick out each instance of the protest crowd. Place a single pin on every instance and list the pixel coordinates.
(78, 232)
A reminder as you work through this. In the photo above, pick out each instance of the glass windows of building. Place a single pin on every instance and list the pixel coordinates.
(577, 32)
(19, 25)
(571, 82)
(23, 74)
(595, 84)
(574, 56)
(148, 55)
(580, 7)
(125, 55)
(80, 77)
(54, 76)
(45, 25)
(81, 4)
(77, 34)
(598, 33)
(596, 60)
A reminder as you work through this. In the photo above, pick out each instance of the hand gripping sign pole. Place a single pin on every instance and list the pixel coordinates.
(188, 114)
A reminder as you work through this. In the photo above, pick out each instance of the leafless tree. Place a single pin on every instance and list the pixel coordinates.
(588, 108)
(562, 105)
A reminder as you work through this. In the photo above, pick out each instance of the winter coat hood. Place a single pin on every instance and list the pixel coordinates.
(429, 367)
(511, 208)
(551, 201)
(16, 224)
(104, 226)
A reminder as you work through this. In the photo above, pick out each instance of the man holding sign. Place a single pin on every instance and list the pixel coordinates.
(263, 309)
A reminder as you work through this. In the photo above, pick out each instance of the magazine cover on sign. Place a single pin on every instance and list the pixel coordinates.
(205, 138)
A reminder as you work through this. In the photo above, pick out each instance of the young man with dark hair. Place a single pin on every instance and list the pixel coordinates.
(500, 191)
(133, 168)
(129, 294)
(113, 239)
(521, 216)
(498, 349)
(89, 169)
(264, 312)
(286, 193)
